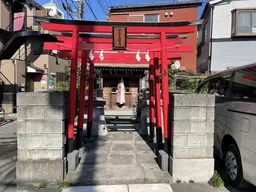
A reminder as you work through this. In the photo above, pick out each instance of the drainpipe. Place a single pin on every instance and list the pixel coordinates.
(210, 61)
(14, 86)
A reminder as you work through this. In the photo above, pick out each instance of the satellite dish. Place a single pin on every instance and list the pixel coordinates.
(176, 65)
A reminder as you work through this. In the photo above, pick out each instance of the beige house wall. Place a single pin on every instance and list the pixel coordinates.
(7, 71)
(48, 63)
(4, 15)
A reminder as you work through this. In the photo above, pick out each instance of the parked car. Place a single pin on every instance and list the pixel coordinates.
(235, 121)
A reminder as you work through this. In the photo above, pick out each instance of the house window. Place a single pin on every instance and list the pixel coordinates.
(151, 18)
(59, 14)
(243, 22)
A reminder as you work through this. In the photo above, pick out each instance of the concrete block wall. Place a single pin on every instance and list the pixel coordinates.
(192, 123)
(41, 137)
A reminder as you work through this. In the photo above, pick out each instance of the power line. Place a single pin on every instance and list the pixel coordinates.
(95, 17)
(74, 4)
(106, 3)
(65, 7)
(102, 7)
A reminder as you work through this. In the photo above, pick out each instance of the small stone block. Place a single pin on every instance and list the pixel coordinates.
(73, 160)
(197, 170)
(210, 100)
(210, 113)
(210, 126)
(163, 160)
(198, 113)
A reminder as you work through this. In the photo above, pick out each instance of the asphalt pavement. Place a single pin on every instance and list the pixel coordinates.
(8, 153)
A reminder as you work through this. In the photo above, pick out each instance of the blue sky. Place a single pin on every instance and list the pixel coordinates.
(105, 3)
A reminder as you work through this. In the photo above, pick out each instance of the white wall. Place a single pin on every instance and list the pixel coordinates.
(222, 16)
(232, 54)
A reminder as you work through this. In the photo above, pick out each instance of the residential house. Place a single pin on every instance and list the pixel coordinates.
(24, 65)
(227, 38)
(134, 75)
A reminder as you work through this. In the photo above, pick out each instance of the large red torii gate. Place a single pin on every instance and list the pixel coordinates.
(158, 48)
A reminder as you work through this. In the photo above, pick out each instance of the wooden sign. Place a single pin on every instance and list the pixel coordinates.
(119, 38)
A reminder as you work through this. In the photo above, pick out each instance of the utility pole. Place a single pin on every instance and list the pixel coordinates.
(81, 10)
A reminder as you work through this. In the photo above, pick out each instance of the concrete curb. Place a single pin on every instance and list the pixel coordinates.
(122, 188)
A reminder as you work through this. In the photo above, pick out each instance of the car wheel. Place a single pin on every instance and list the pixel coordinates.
(234, 168)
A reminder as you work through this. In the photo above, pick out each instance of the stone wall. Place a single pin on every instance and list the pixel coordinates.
(41, 137)
(192, 123)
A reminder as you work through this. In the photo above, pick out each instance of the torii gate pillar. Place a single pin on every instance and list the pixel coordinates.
(72, 88)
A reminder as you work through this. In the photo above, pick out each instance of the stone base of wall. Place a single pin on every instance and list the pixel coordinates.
(33, 172)
(187, 170)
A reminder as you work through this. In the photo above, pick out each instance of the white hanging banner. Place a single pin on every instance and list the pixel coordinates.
(91, 55)
(138, 56)
(147, 57)
(101, 55)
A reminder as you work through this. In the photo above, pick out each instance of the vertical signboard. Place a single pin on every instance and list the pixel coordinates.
(119, 38)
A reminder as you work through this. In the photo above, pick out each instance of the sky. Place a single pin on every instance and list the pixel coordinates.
(99, 10)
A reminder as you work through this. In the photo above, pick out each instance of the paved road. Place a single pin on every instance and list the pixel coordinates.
(8, 154)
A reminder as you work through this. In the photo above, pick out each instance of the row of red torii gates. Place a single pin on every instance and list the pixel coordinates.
(120, 42)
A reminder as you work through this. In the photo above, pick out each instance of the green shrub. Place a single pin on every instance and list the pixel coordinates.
(216, 180)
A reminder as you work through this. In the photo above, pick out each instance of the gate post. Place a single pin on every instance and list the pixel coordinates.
(90, 100)
(72, 89)
(165, 92)
(82, 99)
(152, 100)
(159, 137)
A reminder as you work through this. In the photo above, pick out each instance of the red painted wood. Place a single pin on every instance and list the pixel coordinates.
(109, 40)
(91, 91)
(82, 89)
(117, 57)
(165, 89)
(72, 88)
(151, 93)
(108, 47)
(157, 97)
(108, 29)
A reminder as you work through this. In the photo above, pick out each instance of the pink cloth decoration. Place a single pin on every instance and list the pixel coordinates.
(18, 21)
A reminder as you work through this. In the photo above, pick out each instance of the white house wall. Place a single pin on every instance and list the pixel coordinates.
(232, 54)
(222, 16)
(227, 51)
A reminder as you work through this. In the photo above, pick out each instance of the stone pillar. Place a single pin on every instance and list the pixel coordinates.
(192, 123)
(41, 137)
(99, 126)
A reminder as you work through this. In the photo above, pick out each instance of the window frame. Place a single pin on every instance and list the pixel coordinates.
(236, 13)
(158, 17)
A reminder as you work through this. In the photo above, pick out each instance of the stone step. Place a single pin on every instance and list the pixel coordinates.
(120, 121)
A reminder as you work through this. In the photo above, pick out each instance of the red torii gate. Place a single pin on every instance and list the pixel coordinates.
(158, 48)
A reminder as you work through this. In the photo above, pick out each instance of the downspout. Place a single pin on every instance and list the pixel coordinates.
(210, 56)
(14, 99)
